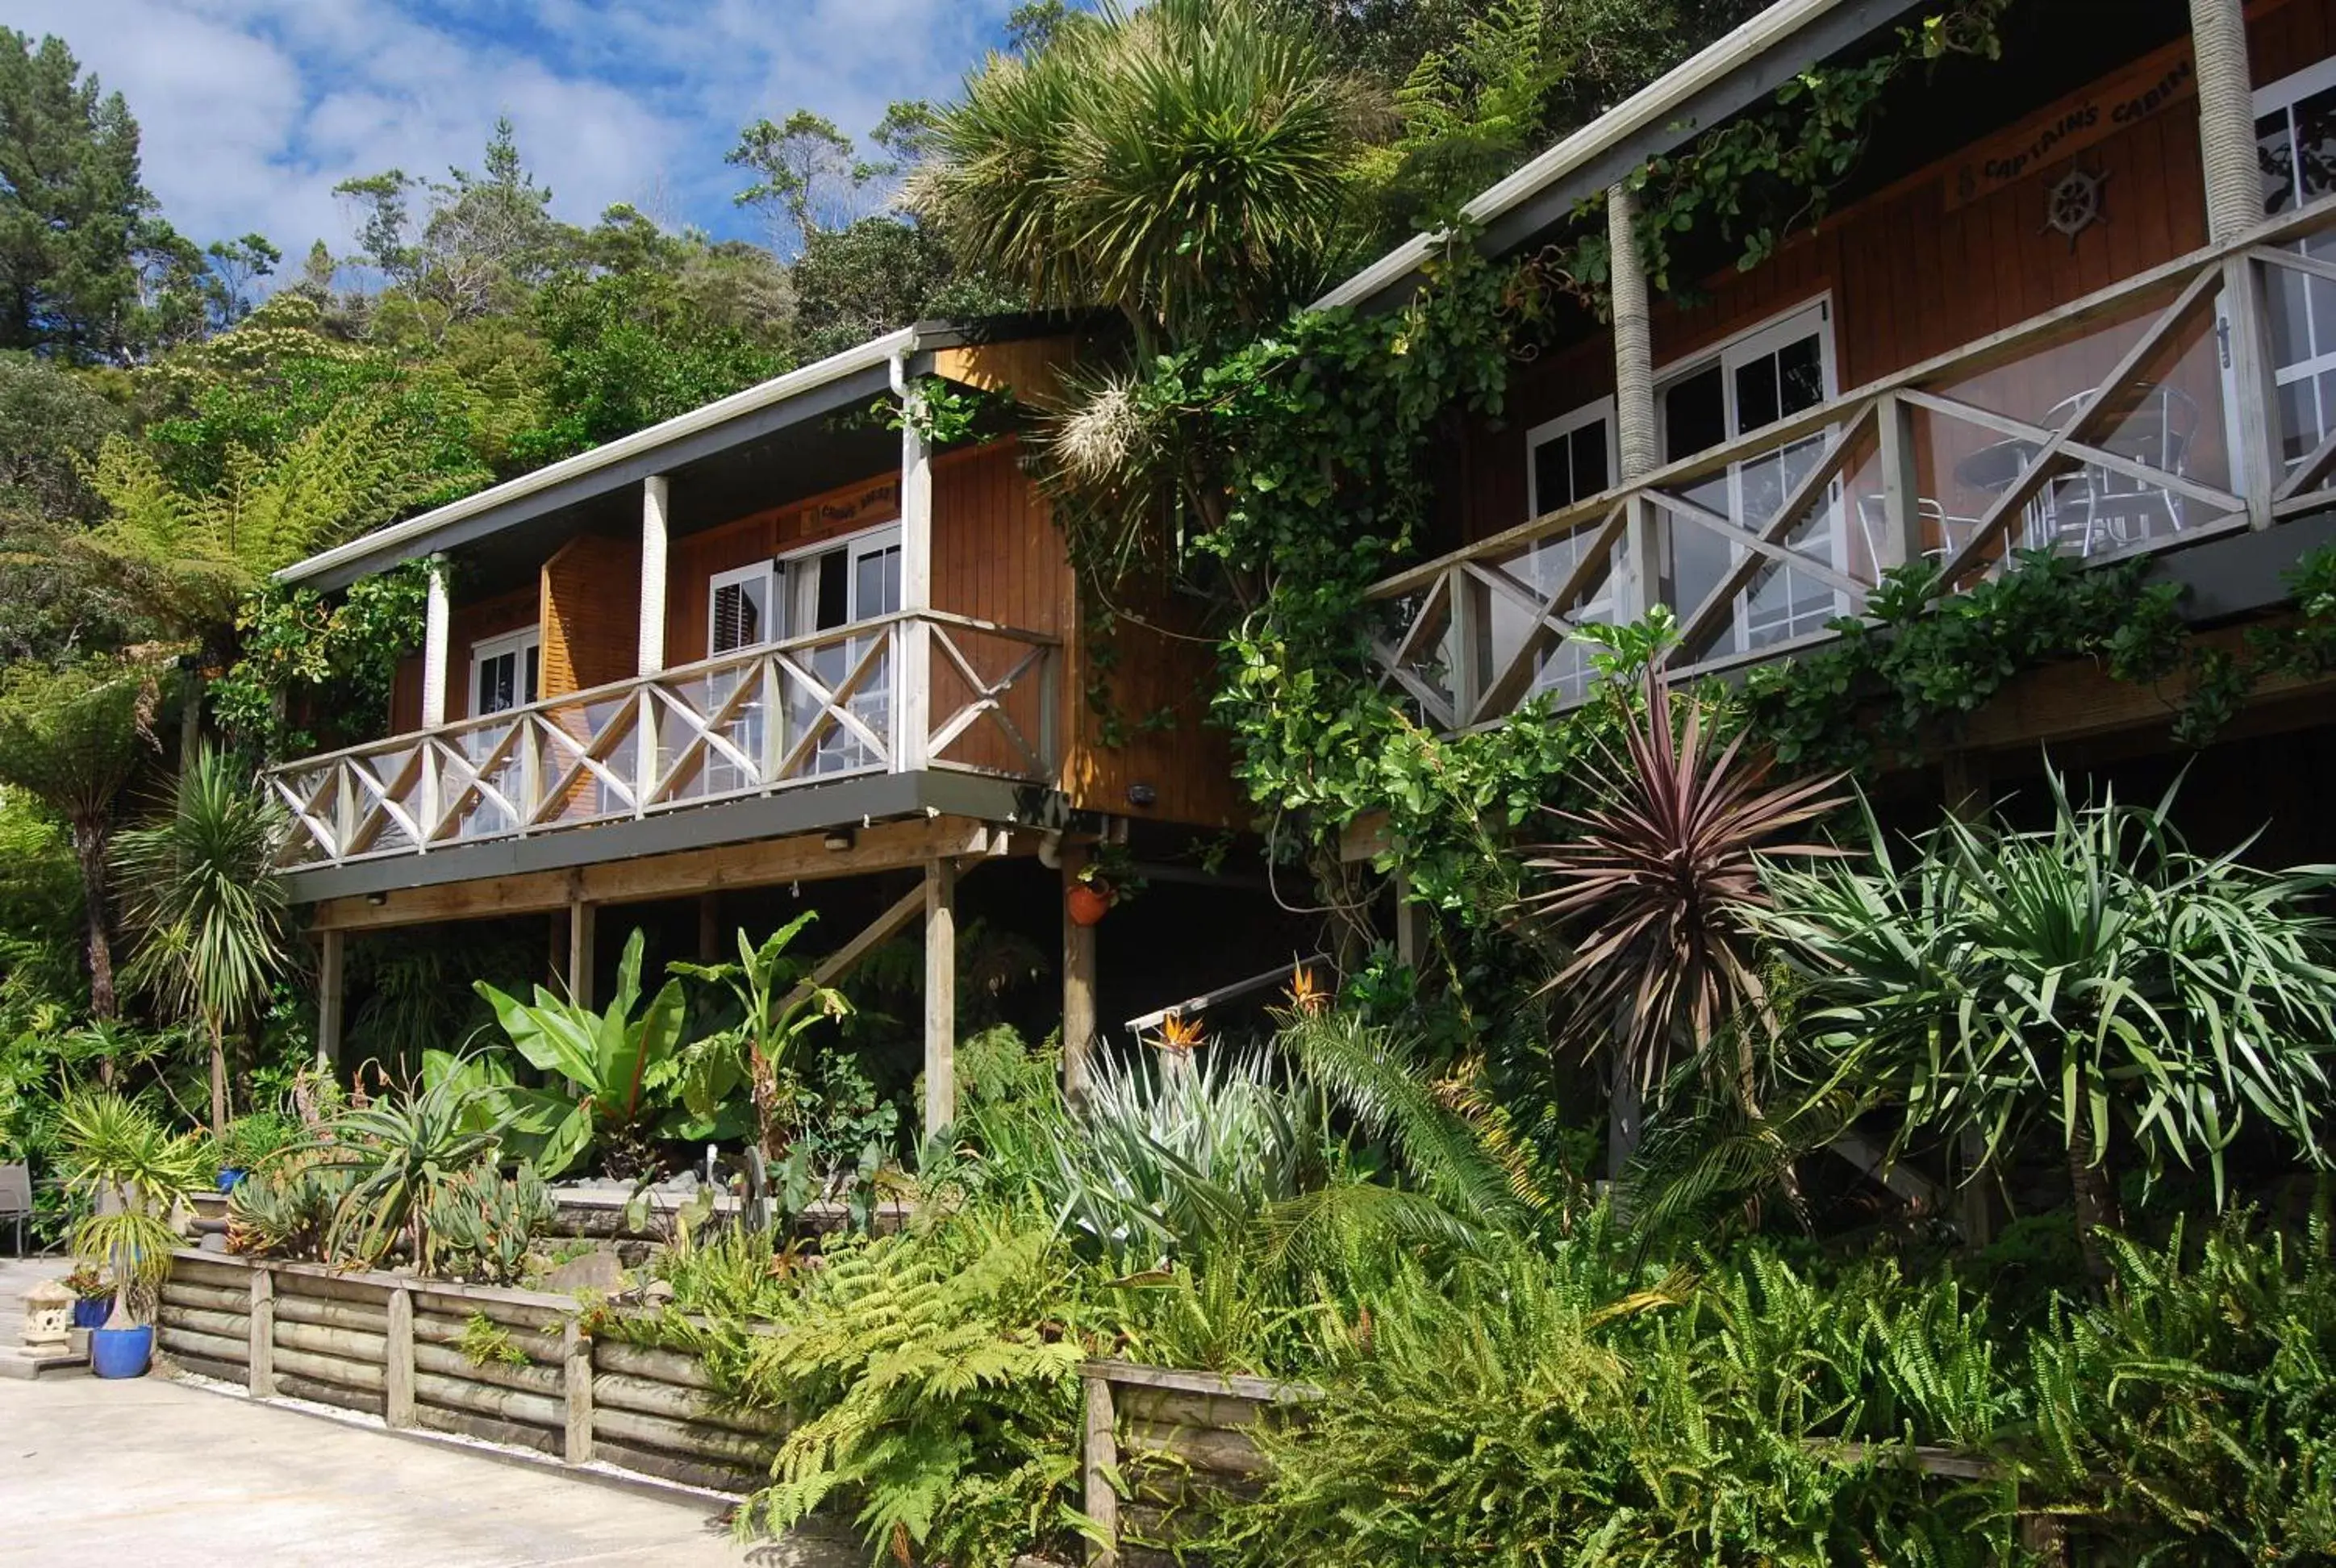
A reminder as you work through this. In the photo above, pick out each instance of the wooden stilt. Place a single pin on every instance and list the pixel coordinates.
(940, 995)
(330, 956)
(1079, 1035)
(581, 928)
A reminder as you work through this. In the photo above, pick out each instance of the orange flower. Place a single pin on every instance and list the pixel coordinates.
(1306, 997)
(1179, 1036)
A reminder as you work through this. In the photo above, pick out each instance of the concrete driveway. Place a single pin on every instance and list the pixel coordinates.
(161, 1473)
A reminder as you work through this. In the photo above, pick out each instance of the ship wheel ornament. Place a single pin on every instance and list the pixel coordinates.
(2074, 203)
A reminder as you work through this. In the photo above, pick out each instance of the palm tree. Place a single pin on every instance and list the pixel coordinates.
(210, 918)
(1169, 162)
(71, 739)
(1191, 164)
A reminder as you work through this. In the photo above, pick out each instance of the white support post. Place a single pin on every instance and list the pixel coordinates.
(1902, 528)
(437, 618)
(914, 658)
(940, 995)
(2226, 118)
(330, 955)
(1634, 343)
(656, 499)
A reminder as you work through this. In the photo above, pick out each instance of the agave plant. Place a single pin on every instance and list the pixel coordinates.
(1653, 887)
(397, 1152)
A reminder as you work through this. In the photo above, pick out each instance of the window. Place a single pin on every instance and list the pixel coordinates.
(506, 672)
(1765, 375)
(1568, 460)
(738, 610)
(2295, 128)
(831, 587)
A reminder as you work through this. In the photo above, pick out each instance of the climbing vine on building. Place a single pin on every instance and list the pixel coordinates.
(315, 672)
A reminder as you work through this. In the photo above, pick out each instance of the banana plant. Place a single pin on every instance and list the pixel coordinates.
(779, 1003)
(606, 1069)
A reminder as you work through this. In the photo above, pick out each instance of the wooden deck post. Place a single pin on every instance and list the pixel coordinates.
(1100, 1458)
(913, 707)
(940, 995)
(582, 923)
(397, 1361)
(330, 956)
(1078, 996)
(656, 496)
(575, 1382)
(260, 1346)
(709, 929)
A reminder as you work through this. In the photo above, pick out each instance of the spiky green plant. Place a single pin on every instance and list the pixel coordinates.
(212, 921)
(483, 1225)
(2095, 977)
(132, 1172)
(397, 1153)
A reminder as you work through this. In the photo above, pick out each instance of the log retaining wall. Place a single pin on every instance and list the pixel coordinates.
(412, 1353)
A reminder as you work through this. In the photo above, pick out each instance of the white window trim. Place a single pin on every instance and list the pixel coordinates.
(1549, 430)
(2290, 90)
(767, 573)
(1819, 305)
(513, 642)
(839, 541)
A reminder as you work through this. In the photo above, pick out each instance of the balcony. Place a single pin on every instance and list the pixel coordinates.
(2194, 401)
(904, 693)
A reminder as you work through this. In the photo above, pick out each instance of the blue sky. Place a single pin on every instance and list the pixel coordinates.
(253, 110)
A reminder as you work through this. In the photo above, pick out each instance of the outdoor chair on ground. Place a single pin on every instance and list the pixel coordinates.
(16, 1200)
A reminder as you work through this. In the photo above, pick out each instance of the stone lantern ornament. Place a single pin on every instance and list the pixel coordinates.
(48, 1317)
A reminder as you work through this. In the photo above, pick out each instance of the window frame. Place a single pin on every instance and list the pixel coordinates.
(1565, 424)
(764, 571)
(517, 643)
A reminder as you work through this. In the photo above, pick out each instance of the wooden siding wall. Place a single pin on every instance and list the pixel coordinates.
(469, 624)
(591, 614)
(1910, 276)
(694, 560)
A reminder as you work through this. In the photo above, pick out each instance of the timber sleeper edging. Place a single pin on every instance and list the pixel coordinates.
(391, 1347)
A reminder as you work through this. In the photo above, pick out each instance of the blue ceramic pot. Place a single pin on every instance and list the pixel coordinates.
(228, 1178)
(92, 1311)
(121, 1352)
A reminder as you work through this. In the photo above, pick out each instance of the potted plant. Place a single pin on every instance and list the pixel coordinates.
(93, 1296)
(132, 1173)
(1100, 885)
(249, 1142)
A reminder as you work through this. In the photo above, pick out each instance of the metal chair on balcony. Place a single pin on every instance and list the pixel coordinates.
(2097, 509)
(1944, 534)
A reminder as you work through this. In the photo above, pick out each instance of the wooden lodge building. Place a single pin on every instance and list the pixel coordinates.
(772, 644)
(2079, 299)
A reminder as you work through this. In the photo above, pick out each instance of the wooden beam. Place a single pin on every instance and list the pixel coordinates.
(877, 932)
(710, 947)
(801, 857)
(940, 995)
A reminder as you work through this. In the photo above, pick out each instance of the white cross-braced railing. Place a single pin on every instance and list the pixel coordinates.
(810, 710)
(2143, 417)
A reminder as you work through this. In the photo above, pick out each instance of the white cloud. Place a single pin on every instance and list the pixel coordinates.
(253, 110)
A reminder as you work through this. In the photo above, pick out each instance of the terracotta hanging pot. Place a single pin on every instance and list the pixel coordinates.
(1089, 903)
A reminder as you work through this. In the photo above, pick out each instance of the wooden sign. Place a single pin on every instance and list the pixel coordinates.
(2148, 87)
